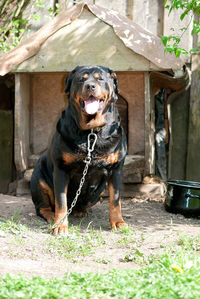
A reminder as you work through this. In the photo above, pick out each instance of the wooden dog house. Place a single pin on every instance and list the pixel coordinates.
(87, 35)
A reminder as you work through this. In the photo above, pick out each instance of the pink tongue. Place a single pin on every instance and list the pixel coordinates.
(91, 106)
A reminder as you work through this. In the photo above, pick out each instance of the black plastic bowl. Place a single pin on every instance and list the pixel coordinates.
(183, 197)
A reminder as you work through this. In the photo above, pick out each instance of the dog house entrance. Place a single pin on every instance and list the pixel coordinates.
(122, 106)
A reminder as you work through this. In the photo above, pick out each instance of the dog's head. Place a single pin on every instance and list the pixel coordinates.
(91, 91)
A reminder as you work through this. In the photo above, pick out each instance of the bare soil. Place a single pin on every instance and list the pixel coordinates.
(152, 231)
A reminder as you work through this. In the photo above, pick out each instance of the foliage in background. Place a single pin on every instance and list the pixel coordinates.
(12, 23)
(12, 26)
(188, 7)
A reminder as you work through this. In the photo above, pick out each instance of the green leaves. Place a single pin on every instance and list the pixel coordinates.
(173, 47)
(192, 5)
(191, 8)
(164, 40)
(196, 28)
(14, 26)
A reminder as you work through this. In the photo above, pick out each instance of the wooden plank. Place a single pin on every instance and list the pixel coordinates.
(22, 121)
(149, 127)
(6, 149)
(131, 85)
(148, 14)
(178, 112)
(193, 158)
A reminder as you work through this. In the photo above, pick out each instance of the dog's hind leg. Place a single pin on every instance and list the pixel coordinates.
(43, 198)
(48, 198)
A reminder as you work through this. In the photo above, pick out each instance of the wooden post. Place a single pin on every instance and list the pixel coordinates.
(149, 128)
(22, 120)
(193, 158)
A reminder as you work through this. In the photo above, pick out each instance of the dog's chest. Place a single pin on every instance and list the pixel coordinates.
(71, 160)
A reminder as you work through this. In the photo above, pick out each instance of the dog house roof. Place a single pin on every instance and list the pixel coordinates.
(87, 34)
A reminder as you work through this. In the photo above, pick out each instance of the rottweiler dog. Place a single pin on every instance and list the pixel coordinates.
(92, 95)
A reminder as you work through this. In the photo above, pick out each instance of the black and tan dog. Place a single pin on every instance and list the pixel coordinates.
(92, 93)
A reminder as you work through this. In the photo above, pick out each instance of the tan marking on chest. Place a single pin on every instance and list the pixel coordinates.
(109, 158)
(69, 158)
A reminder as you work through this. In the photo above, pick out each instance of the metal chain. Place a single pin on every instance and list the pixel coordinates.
(92, 139)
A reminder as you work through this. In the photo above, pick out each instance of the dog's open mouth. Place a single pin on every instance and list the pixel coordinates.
(92, 105)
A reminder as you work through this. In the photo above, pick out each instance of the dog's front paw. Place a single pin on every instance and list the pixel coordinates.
(117, 224)
(59, 229)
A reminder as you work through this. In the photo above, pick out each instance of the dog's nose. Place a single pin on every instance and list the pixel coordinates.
(90, 87)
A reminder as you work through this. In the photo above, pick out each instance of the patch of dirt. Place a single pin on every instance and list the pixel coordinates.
(152, 229)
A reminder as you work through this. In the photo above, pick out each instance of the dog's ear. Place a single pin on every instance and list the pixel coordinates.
(69, 78)
(115, 80)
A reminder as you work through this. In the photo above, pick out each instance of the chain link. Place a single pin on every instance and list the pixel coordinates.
(92, 139)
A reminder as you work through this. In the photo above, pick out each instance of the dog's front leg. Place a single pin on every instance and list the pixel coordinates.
(114, 182)
(61, 181)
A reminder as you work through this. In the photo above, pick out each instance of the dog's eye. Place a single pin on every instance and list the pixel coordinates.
(98, 76)
(83, 78)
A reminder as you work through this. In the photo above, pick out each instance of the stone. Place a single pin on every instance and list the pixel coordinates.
(22, 188)
(133, 169)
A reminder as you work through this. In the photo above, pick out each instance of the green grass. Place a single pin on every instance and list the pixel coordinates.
(13, 225)
(103, 260)
(75, 244)
(175, 274)
(135, 256)
(128, 237)
(159, 280)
